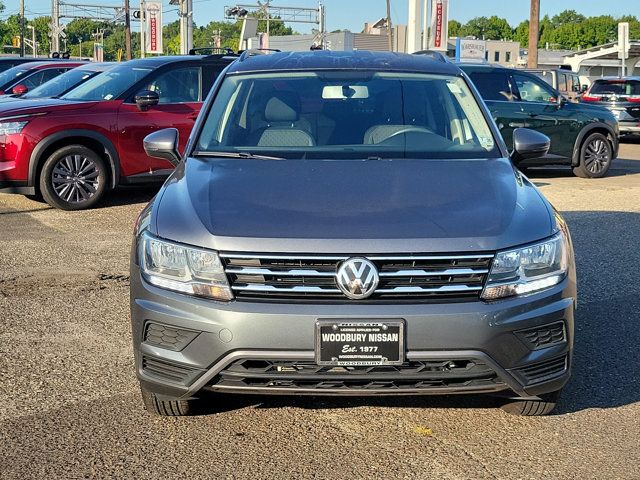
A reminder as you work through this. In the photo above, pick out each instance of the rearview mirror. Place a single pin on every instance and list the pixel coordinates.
(528, 144)
(19, 89)
(146, 99)
(163, 144)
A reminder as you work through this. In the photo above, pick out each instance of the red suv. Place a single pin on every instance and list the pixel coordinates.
(73, 148)
(27, 76)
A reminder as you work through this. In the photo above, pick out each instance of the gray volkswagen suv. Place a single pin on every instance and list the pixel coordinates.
(349, 223)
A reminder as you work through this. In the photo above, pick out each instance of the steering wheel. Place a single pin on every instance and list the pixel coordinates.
(408, 130)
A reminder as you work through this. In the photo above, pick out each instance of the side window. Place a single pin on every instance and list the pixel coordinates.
(42, 76)
(533, 90)
(493, 85)
(562, 82)
(180, 85)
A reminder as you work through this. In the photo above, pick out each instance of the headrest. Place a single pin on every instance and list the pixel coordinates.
(283, 108)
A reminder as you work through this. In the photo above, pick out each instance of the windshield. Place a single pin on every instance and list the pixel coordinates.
(61, 83)
(347, 114)
(108, 86)
(615, 87)
(8, 77)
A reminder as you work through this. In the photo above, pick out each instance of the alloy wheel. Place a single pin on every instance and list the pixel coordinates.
(597, 155)
(75, 178)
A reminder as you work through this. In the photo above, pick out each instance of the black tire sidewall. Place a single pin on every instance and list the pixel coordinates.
(46, 187)
(581, 169)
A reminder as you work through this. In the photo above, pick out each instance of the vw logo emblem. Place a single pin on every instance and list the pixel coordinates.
(357, 278)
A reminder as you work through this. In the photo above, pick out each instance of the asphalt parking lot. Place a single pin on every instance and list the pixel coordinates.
(70, 405)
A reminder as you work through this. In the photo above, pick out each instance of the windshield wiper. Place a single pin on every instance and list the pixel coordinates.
(235, 155)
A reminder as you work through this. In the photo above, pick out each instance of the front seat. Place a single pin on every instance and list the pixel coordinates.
(283, 127)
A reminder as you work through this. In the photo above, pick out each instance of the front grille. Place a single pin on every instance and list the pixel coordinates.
(313, 277)
(545, 336)
(164, 336)
(167, 371)
(267, 375)
(540, 372)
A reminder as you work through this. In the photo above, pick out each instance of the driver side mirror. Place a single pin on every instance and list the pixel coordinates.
(163, 144)
(528, 144)
(19, 89)
(146, 99)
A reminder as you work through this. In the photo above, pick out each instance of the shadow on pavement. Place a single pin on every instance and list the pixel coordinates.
(620, 168)
(127, 195)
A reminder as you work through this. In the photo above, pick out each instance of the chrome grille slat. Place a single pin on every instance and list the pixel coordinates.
(307, 277)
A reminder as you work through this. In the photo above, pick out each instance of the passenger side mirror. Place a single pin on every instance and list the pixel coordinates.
(528, 144)
(146, 99)
(19, 89)
(163, 144)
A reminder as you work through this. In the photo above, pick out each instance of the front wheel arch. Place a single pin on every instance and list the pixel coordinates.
(95, 141)
(597, 127)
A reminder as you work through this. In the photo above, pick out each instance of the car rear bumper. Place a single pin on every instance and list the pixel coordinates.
(629, 128)
(196, 345)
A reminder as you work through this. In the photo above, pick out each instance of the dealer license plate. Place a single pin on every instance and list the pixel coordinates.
(359, 342)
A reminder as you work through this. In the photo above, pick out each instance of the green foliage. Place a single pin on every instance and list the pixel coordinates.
(568, 29)
(492, 28)
(454, 27)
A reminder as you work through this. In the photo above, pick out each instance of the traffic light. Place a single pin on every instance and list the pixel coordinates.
(15, 42)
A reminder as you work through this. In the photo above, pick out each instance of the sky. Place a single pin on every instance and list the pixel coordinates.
(351, 14)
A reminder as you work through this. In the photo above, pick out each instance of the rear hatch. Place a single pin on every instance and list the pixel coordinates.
(620, 95)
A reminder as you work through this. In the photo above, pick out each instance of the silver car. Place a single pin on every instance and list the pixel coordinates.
(349, 223)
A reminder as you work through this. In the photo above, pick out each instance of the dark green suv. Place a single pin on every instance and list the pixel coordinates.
(583, 136)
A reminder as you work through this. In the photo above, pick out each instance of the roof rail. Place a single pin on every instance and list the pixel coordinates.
(212, 50)
(256, 51)
(439, 56)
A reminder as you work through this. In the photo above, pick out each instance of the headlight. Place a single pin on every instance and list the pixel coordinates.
(9, 128)
(183, 269)
(528, 269)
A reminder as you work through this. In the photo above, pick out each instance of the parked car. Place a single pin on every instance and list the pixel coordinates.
(565, 81)
(63, 83)
(11, 61)
(27, 76)
(74, 148)
(349, 223)
(582, 136)
(622, 97)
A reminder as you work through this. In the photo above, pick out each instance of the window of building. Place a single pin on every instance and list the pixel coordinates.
(507, 56)
(496, 56)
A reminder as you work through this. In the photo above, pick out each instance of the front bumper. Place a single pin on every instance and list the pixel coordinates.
(199, 345)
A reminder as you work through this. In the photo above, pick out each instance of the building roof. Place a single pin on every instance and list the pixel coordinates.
(352, 60)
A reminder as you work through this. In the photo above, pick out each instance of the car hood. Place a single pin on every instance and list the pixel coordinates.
(350, 206)
(37, 105)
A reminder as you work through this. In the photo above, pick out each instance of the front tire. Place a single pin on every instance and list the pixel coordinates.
(73, 178)
(533, 408)
(168, 408)
(596, 154)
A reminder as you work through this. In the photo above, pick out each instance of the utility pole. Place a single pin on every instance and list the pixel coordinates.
(127, 29)
(534, 25)
(55, 28)
(389, 27)
(22, 28)
(143, 25)
(186, 26)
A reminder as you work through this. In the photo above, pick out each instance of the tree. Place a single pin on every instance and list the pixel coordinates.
(454, 28)
(492, 28)
(521, 34)
(41, 26)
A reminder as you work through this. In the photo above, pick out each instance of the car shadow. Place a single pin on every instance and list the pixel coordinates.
(620, 168)
(607, 332)
(128, 195)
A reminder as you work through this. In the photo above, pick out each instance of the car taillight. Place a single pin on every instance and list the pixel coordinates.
(589, 98)
(634, 99)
